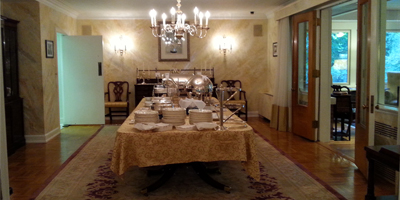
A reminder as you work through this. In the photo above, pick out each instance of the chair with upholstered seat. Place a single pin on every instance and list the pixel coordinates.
(237, 101)
(117, 99)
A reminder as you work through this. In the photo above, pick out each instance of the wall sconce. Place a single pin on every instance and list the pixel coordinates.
(225, 45)
(120, 46)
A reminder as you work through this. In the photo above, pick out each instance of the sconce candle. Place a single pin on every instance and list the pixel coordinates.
(225, 45)
(120, 46)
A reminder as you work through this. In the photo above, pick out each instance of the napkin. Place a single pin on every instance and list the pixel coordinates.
(205, 125)
(190, 103)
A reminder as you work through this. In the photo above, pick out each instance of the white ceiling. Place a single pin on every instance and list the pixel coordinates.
(139, 9)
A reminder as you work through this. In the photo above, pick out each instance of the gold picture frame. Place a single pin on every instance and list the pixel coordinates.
(173, 52)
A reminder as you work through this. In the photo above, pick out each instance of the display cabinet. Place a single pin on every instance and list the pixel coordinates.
(13, 102)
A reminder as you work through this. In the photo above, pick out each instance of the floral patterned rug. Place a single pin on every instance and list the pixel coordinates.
(88, 176)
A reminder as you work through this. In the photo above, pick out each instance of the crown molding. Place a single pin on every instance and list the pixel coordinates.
(61, 7)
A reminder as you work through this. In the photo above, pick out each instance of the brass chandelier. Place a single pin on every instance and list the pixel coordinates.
(178, 26)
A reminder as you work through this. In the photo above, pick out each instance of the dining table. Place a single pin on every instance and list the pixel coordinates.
(133, 147)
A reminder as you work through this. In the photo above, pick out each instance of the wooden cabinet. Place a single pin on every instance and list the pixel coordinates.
(13, 103)
(142, 90)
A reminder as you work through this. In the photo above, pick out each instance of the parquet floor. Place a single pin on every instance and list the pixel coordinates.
(32, 165)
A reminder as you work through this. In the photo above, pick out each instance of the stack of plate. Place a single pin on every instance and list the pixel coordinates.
(149, 116)
(196, 116)
(174, 116)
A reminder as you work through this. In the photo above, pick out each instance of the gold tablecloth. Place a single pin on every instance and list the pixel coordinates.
(135, 148)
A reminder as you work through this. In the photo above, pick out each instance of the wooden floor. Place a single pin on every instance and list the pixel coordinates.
(32, 165)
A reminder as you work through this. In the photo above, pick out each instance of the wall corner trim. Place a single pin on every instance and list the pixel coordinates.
(42, 138)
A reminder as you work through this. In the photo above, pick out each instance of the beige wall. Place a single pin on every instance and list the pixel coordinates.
(38, 74)
(51, 22)
(248, 62)
(29, 60)
(251, 60)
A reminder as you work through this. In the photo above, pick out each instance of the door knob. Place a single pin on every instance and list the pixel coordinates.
(377, 107)
(365, 106)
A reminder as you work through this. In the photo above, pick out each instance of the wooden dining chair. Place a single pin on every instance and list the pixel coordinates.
(117, 99)
(343, 111)
(239, 100)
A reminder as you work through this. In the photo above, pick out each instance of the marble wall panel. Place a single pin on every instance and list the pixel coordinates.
(250, 60)
(29, 58)
(51, 22)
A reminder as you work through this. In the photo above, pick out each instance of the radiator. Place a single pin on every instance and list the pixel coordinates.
(265, 105)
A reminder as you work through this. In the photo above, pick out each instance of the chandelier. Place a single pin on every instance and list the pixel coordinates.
(178, 27)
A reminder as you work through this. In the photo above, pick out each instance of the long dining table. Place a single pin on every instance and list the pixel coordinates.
(145, 149)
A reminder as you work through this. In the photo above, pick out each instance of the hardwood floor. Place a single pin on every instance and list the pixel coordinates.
(32, 165)
(328, 165)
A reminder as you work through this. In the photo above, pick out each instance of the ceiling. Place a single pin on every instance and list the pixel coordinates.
(139, 9)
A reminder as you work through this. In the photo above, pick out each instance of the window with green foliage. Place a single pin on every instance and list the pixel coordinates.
(340, 55)
(392, 54)
(392, 68)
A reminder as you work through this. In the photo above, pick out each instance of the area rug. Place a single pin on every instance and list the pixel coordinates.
(88, 176)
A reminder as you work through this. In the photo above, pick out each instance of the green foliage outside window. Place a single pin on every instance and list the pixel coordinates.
(392, 57)
(340, 52)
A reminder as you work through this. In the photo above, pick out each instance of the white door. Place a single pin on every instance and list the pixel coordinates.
(83, 84)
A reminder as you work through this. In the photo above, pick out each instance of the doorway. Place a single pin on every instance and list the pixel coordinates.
(343, 70)
(81, 82)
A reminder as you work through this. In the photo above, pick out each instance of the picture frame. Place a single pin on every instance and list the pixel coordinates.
(173, 52)
(275, 49)
(49, 48)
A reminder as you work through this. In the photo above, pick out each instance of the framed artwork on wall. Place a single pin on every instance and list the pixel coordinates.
(275, 49)
(173, 50)
(49, 48)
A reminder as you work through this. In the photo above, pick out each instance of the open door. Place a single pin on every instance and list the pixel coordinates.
(82, 87)
(304, 77)
(366, 87)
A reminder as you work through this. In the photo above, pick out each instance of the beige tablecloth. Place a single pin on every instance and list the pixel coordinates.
(135, 148)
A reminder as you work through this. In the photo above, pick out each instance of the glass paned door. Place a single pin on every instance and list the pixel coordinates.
(303, 82)
(303, 69)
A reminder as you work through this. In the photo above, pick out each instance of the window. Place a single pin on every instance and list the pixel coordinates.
(389, 59)
(392, 67)
(340, 57)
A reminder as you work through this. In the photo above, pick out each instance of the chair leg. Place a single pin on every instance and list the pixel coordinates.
(109, 112)
(246, 111)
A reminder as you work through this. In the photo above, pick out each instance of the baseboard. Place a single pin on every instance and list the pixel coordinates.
(42, 138)
(253, 114)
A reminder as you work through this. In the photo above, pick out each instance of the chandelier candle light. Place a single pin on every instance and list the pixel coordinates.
(178, 26)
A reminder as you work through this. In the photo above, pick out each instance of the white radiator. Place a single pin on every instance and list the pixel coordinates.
(265, 105)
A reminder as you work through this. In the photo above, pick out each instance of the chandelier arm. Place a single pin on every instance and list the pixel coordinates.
(154, 31)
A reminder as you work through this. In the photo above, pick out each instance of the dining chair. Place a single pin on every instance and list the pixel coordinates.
(237, 101)
(343, 111)
(117, 100)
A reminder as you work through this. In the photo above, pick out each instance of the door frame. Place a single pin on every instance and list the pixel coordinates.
(4, 180)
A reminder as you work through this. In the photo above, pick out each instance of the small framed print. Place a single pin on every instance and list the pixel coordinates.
(49, 48)
(275, 49)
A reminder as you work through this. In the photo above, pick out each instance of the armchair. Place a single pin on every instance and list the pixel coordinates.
(117, 100)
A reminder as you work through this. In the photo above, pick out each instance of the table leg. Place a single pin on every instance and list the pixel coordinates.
(370, 190)
(202, 172)
(168, 172)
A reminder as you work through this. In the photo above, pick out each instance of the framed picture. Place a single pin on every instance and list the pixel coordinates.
(49, 48)
(275, 49)
(173, 50)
